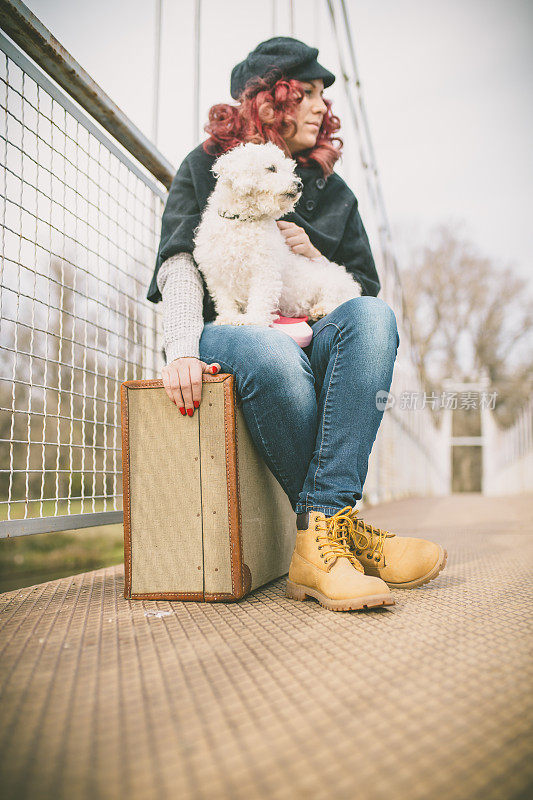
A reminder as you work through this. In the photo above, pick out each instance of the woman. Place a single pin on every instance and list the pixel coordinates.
(311, 412)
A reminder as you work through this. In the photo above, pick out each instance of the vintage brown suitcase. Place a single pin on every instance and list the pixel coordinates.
(204, 518)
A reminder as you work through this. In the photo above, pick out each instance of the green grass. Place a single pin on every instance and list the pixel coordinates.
(26, 560)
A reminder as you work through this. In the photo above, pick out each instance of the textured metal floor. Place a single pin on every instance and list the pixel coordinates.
(274, 698)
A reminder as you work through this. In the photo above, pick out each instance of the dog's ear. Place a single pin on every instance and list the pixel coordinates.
(223, 166)
(218, 169)
(227, 163)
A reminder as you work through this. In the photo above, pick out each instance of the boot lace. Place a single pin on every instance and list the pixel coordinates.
(335, 542)
(364, 536)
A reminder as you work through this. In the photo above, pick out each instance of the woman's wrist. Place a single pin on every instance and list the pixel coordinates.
(186, 347)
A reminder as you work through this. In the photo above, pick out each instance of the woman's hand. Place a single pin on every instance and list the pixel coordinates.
(182, 379)
(297, 239)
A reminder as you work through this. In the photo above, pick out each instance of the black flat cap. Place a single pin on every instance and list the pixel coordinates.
(291, 56)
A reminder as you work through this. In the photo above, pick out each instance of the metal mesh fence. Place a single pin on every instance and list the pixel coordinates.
(508, 454)
(80, 223)
(411, 454)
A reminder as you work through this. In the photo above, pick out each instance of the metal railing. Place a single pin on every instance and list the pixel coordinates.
(508, 454)
(80, 221)
(411, 454)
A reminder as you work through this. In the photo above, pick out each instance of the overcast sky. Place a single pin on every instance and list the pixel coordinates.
(448, 87)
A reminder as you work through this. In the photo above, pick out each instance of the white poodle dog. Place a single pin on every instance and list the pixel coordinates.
(249, 269)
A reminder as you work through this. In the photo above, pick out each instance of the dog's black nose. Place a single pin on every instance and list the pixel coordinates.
(299, 183)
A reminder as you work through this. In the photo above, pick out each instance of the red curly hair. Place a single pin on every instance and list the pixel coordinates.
(264, 113)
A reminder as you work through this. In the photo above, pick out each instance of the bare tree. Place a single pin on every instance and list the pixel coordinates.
(470, 318)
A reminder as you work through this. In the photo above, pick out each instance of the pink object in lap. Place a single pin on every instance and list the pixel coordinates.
(295, 327)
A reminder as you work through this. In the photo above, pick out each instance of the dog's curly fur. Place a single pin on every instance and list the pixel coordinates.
(250, 271)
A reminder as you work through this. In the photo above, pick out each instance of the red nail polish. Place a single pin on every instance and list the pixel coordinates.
(190, 412)
(196, 403)
(213, 370)
(182, 411)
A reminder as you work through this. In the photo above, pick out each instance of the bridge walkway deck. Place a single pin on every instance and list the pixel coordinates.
(270, 697)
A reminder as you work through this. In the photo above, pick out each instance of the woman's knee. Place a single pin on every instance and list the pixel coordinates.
(374, 314)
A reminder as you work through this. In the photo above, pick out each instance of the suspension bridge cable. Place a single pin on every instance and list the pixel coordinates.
(354, 115)
(364, 118)
(369, 165)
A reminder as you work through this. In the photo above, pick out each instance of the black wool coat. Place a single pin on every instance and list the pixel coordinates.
(327, 210)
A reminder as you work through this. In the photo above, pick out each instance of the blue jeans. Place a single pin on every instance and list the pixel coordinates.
(312, 412)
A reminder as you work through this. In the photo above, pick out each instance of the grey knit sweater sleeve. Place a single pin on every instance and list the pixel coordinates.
(182, 292)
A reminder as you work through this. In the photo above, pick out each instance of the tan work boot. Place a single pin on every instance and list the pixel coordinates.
(323, 567)
(401, 561)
